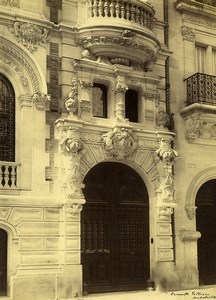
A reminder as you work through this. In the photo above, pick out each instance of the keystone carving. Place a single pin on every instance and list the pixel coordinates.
(70, 176)
(30, 35)
(119, 143)
(41, 100)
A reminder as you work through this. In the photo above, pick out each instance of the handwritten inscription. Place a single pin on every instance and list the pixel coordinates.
(194, 295)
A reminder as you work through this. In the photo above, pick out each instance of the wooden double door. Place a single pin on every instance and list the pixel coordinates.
(206, 225)
(114, 230)
(3, 262)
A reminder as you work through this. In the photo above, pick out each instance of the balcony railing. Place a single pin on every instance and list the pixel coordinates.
(129, 10)
(9, 175)
(201, 88)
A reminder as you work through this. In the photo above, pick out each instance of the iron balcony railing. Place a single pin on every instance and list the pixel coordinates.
(201, 88)
(130, 10)
(9, 175)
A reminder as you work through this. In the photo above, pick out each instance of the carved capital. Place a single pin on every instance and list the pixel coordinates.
(119, 143)
(188, 33)
(30, 35)
(164, 212)
(189, 235)
(74, 209)
(85, 83)
(191, 211)
(165, 153)
(41, 100)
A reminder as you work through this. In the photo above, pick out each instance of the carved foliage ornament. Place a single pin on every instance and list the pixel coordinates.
(41, 100)
(188, 33)
(194, 129)
(119, 143)
(70, 176)
(71, 102)
(14, 3)
(30, 35)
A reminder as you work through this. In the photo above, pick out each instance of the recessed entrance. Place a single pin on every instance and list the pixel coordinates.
(3, 262)
(115, 229)
(206, 224)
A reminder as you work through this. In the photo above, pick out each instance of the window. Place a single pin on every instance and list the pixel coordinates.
(99, 100)
(7, 120)
(200, 59)
(131, 105)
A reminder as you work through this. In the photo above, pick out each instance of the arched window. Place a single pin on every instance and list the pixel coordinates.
(131, 105)
(3, 262)
(7, 120)
(99, 100)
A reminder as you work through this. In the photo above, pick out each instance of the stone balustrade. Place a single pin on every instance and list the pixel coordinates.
(134, 11)
(8, 175)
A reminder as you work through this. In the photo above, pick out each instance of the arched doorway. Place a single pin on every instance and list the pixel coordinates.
(206, 225)
(115, 229)
(3, 262)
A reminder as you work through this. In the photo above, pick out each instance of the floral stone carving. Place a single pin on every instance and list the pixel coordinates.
(70, 177)
(119, 143)
(30, 35)
(166, 193)
(41, 100)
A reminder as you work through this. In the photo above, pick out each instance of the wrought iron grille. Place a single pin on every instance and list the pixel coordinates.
(201, 88)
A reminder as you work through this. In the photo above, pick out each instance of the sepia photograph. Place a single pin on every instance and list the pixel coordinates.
(107, 149)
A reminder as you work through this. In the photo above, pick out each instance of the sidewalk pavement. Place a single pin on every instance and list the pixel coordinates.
(195, 294)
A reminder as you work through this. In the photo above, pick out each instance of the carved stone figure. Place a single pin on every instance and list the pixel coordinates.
(162, 118)
(71, 102)
(119, 143)
(194, 129)
(70, 146)
(30, 35)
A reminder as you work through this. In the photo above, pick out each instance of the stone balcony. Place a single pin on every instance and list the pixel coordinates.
(120, 30)
(9, 176)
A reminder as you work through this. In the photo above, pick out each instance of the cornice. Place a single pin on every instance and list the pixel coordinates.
(196, 8)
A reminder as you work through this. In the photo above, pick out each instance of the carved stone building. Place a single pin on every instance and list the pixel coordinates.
(98, 100)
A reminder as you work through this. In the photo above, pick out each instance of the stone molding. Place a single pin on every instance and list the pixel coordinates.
(189, 235)
(29, 35)
(119, 143)
(18, 61)
(188, 33)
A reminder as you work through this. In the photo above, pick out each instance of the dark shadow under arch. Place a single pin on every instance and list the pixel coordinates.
(3, 262)
(206, 225)
(115, 229)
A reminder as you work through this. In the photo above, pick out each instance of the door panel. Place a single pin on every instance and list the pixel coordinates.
(115, 229)
(3, 262)
(206, 224)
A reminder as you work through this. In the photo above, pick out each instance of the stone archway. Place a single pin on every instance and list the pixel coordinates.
(115, 229)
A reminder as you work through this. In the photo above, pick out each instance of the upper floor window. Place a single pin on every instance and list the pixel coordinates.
(131, 105)
(99, 100)
(200, 59)
(7, 120)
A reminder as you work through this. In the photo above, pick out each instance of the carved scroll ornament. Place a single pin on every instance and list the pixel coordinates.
(119, 143)
(30, 35)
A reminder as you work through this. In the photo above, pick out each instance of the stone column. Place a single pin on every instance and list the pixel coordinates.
(164, 273)
(85, 107)
(190, 276)
(71, 198)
